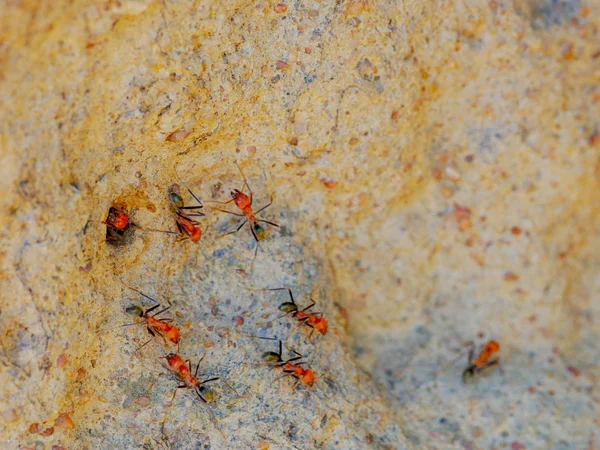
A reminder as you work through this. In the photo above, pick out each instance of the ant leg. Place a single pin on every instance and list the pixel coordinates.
(209, 380)
(266, 221)
(311, 334)
(255, 250)
(195, 198)
(152, 309)
(309, 306)
(266, 206)
(237, 229)
(284, 289)
(195, 215)
(232, 388)
(286, 374)
(489, 364)
(113, 235)
(142, 346)
(297, 357)
(175, 393)
(220, 203)
(300, 323)
(130, 324)
(228, 212)
(161, 311)
(471, 353)
(198, 365)
(162, 231)
(140, 292)
(245, 181)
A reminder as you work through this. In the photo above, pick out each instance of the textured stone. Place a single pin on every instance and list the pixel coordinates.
(404, 143)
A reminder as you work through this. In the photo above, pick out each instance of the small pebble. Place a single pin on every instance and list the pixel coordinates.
(84, 397)
(280, 8)
(451, 173)
(177, 136)
(356, 7)
(329, 183)
(61, 361)
(446, 191)
(64, 421)
(80, 374)
(511, 276)
(281, 65)
(47, 432)
(143, 400)
(238, 320)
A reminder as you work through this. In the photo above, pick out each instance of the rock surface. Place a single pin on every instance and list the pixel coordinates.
(435, 171)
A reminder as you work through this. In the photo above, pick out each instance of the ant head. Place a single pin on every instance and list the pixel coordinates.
(196, 234)
(468, 373)
(321, 325)
(236, 193)
(205, 394)
(135, 311)
(493, 346)
(117, 219)
(259, 231)
(271, 357)
(309, 377)
(172, 360)
(173, 335)
(288, 307)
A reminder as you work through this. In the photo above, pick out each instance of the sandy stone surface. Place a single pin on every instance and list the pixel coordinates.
(435, 174)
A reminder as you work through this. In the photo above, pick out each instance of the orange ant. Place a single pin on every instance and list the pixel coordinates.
(288, 367)
(117, 223)
(314, 320)
(483, 360)
(183, 369)
(162, 327)
(244, 203)
(189, 381)
(187, 226)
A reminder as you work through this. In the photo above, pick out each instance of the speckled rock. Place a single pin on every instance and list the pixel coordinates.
(434, 168)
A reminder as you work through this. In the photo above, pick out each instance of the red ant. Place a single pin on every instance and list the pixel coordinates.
(155, 326)
(189, 381)
(117, 223)
(316, 321)
(187, 226)
(183, 369)
(295, 370)
(483, 360)
(244, 203)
